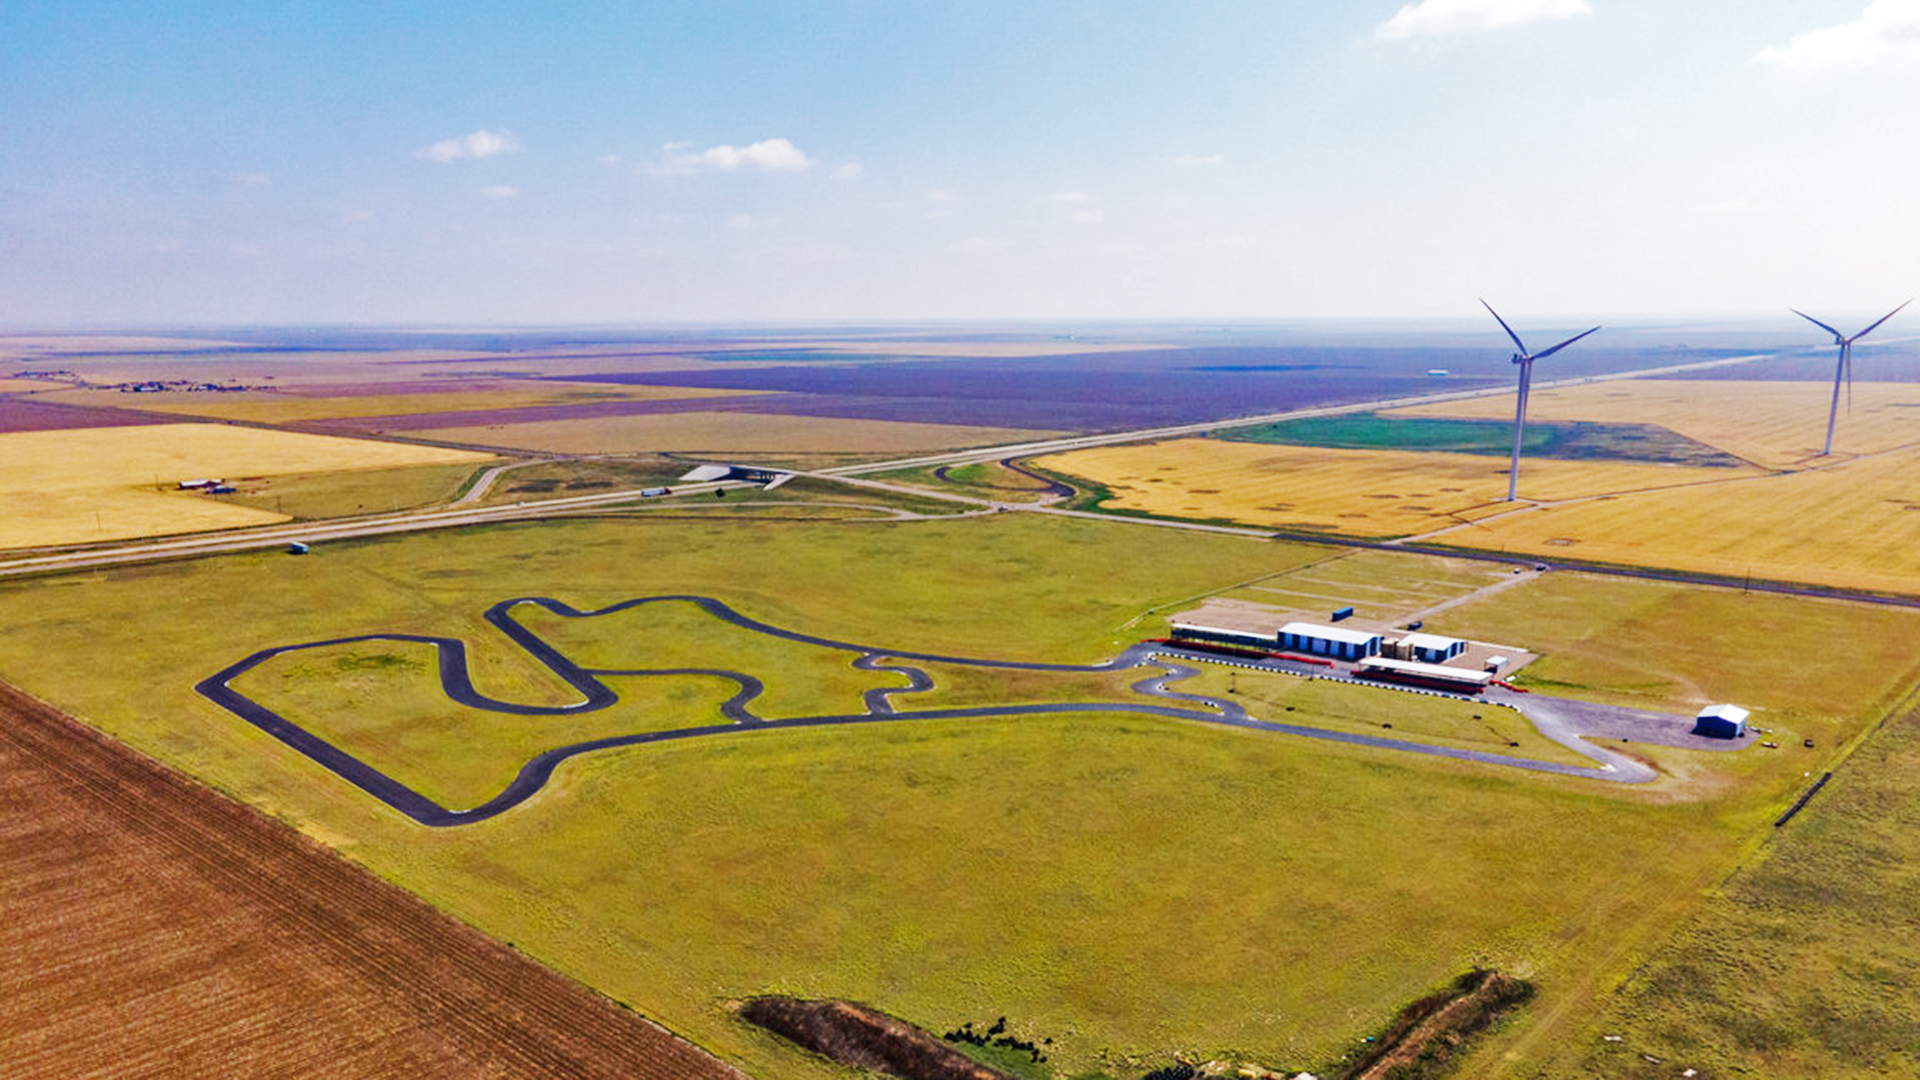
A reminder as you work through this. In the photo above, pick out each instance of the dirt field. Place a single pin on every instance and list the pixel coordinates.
(91, 484)
(155, 928)
(734, 433)
(1775, 424)
(1355, 492)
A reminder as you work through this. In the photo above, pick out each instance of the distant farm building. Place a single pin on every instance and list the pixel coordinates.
(1721, 722)
(746, 474)
(197, 485)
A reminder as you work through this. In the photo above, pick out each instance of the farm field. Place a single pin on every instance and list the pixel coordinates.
(1853, 525)
(92, 484)
(725, 433)
(961, 870)
(269, 407)
(1575, 440)
(155, 927)
(1778, 425)
(1362, 493)
(310, 496)
(1801, 964)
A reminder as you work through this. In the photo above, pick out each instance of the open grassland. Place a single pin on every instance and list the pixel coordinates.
(1774, 424)
(156, 928)
(724, 433)
(27, 386)
(1804, 963)
(802, 679)
(1676, 648)
(1573, 440)
(1855, 525)
(262, 407)
(1365, 493)
(307, 496)
(1383, 589)
(1375, 710)
(94, 484)
(1124, 885)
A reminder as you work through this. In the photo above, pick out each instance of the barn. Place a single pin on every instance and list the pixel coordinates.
(1721, 722)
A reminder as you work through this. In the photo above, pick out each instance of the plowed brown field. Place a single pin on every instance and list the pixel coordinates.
(153, 927)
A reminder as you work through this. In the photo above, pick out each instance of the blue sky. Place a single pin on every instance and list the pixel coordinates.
(909, 159)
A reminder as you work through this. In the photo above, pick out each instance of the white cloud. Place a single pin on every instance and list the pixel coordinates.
(480, 144)
(1071, 197)
(977, 245)
(500, 191)
(1192, 161)
(850, 171)
(1433, 17)
(767, 155)
(1887, 34)
(1088, 217)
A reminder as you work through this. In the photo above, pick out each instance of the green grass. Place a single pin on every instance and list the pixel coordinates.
(309, 496)
(1130, 886)
(801, 679)
(1803, 964)
(1575, 441)
(1372, 710)
(381, 701)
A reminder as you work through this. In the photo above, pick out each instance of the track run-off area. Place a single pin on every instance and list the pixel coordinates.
(1563, 721)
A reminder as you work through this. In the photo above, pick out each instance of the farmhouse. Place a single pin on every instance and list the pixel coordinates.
(1721, 722)
(1337, 642)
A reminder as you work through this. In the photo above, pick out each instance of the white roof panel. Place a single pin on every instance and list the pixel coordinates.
(1732, 713)
(1429, 641)
(1330, 633)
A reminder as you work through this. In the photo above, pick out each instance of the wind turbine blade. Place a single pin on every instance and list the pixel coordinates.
(1503, 325)
(1837, 335)
(1850, 374)
(1876, 326)
(1563, 344)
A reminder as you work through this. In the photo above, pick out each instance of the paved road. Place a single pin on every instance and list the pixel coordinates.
(1560, 724)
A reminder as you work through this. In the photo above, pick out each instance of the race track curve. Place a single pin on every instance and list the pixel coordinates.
(456, 682)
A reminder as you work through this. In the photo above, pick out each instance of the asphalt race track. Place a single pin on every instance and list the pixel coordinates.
(1556, 719)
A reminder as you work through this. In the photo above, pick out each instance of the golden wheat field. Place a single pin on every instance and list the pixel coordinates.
(1854, 525)
(730, 433)
(1368, 493)
(1773, 424)
(83, 485)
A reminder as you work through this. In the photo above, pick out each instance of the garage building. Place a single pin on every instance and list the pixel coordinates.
(1337, 642)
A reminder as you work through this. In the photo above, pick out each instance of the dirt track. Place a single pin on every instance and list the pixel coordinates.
(153, 927)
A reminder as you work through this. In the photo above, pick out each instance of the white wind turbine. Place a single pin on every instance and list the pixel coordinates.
(1525, 359)
(1844, 369)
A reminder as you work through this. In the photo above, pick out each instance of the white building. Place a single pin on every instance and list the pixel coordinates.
(1431, 648)
(1721, 722)
(1335, 641)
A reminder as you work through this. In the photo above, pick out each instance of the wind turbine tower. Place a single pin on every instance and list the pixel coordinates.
(1525, 359)
(1844, 369)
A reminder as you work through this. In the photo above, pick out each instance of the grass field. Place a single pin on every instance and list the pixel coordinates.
(306, 496)
(1566, 440)
(91, 484)
(725, 433)
(1366, 493)
(1382, 588)
(1372, 710)
(1854, 525)
(1775, 424)
(1126, 886)
(1804, 963)
(266, 407)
